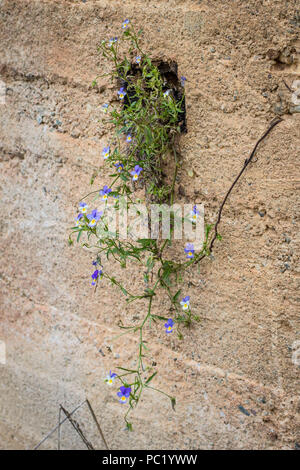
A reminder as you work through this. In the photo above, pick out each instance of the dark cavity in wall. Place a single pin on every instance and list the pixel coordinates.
(169, 73)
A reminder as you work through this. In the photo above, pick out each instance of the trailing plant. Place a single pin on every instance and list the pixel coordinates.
(146, 125)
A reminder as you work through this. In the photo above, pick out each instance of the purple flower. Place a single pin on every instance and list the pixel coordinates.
(104, 108)
(136, 172)
(185, 302)
(95, 276)
(105, 152)
(83, 207)
(128, 138)
(110, 378)
(125, 24)
(119, 166)
(169, 325)
(189, 250)
(93, 217)
(112, 41)
(124, 393)
(194, 214)
(182, 81)
(122, 93)
(105, 192)
(94, 263)
(77, 220)
(138, 59)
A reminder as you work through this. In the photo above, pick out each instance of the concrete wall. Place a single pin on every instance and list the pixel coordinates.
(235, 55)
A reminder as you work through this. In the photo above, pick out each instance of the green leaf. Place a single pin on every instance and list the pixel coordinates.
(150, 378)
(176, 295)
(197, 318)
(124, 291)
(150, 263)
(173, 402)
(123, 177)
(207, 230)
(127, 370)
(145, 242)
(128, 426)
(160, 317)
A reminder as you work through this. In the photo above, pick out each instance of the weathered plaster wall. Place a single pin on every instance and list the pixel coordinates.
(50, 142)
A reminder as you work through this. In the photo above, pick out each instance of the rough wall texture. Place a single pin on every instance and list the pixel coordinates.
(235, 55)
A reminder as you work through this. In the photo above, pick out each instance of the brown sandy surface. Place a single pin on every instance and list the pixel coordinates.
(235, 55)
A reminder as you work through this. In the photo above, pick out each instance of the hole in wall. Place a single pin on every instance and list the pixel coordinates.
(169, 73)
(160, 182)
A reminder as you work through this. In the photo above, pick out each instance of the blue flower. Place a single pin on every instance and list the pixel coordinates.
(119, 166)
(194, 214)
(104, 108)
(138, 59)
(125, 24)
(106, 152)
(83, 207)
(122, 93)
(110, 378)
(136, 172)
(95, 275)
(105, 192)
(189, 250)
(169, 325)
(124, 393)
(167, 93)
(112, 41)
(77, 220)
(185, 302)
(128, 138)
(182, 81)
(94, 263)
(93, 217)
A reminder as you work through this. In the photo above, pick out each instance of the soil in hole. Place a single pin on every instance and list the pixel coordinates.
(169, 73)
